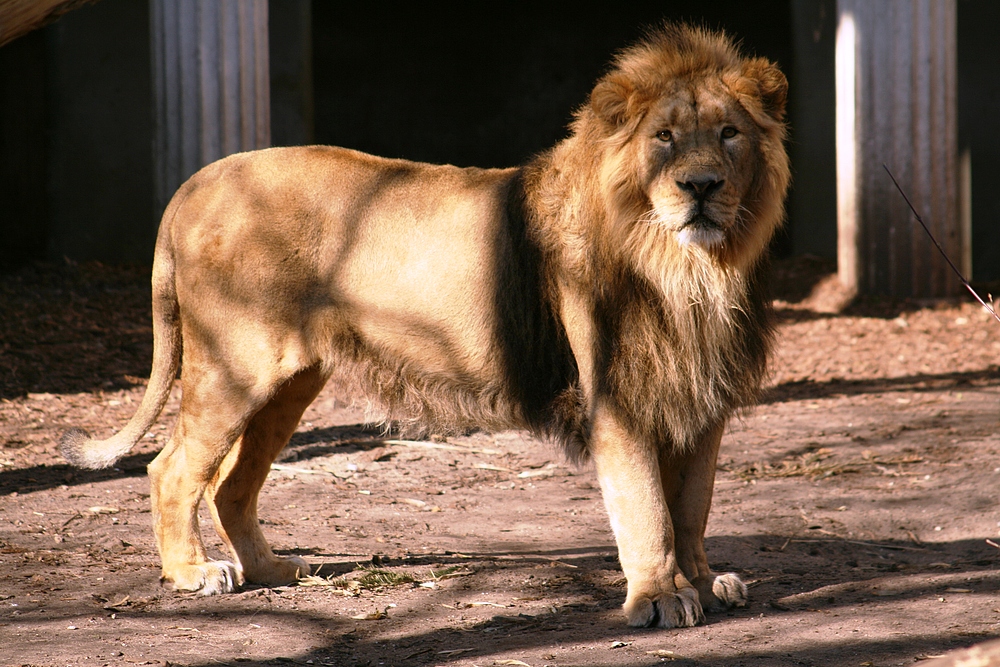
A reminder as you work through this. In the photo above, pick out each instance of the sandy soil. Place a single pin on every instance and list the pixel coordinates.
(859, 501)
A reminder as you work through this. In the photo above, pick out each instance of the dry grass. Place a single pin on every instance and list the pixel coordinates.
(820, 463)
(377, 579)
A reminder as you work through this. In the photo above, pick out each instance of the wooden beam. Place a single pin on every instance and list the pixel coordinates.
(19, 17)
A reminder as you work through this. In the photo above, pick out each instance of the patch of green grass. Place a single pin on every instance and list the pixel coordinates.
(374, 578)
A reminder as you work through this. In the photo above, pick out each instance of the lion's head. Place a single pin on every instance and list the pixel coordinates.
(691, 158)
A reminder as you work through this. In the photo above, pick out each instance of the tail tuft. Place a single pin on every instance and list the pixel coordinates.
(81, 450)
(72, 446)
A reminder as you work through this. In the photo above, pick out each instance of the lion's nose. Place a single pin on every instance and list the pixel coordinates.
(700, 187)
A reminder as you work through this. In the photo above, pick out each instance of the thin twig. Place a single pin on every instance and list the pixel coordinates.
(893, 547)
(298, 471)
(954, 268)
(438, 445)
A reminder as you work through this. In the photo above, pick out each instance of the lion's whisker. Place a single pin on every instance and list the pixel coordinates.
(652, 217)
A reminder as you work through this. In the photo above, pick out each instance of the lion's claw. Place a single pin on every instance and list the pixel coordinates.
(667, 610)
(730, 590)
(212, 578)
(721, 592)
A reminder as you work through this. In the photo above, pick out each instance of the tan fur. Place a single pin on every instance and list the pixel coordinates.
(608, 295)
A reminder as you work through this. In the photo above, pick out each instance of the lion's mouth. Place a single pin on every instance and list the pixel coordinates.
(700, 230)
(701, 221)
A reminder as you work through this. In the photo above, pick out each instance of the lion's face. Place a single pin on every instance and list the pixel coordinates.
(698, 144)
(693, 156)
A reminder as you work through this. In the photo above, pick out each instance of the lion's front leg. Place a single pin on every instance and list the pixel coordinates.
(659, 594)
(688, 482)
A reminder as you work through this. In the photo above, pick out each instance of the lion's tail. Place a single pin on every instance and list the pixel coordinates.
(76, 445)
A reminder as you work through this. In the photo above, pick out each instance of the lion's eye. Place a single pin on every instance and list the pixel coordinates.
(729, 132)
(664, 135)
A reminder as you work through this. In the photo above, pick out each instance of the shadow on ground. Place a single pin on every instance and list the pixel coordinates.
(555, 636)
(811, 389)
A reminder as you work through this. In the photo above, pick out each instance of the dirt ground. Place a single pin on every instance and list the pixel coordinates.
(859, 502)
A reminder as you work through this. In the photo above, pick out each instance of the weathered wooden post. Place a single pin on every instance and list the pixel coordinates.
(896, 104)
(211, 92)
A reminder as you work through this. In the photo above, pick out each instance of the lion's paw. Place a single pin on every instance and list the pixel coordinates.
(212, 578)
(666, 610)
(730, 590)
(722, 592)
(279, 571)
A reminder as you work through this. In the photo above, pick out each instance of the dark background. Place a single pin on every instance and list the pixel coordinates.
(491, 85)
(486, 86)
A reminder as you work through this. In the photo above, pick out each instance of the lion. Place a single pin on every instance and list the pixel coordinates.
(609, 295)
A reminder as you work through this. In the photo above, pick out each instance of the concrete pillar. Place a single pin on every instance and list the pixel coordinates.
(896, 104)
(211, 91)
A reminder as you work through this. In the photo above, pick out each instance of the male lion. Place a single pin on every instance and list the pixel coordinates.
(609, 294)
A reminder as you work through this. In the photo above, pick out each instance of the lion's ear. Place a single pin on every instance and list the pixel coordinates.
(771, 85)
(612, 99)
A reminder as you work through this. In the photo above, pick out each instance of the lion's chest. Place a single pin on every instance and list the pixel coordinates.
(674, 374)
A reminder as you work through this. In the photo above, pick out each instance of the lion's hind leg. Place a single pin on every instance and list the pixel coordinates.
(216, 408)
(177, 482)
(232, 493)
(178, 477)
